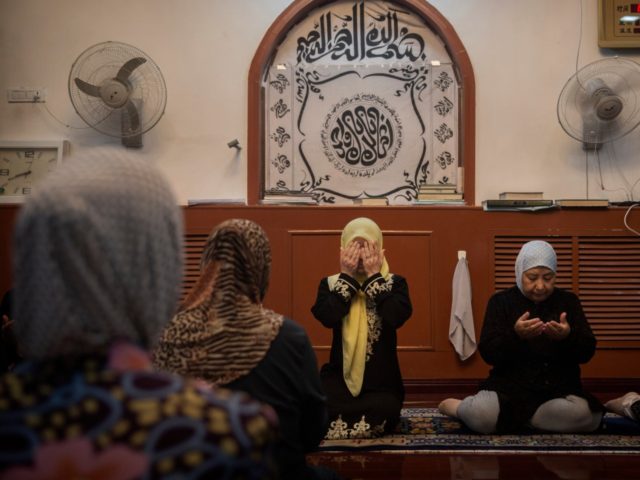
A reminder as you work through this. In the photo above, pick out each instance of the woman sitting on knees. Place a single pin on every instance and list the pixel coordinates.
(97, 273)
(535, 336)
(223, 335)
(364, 305)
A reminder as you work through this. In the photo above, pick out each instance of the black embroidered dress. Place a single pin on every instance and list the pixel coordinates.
(376, 409)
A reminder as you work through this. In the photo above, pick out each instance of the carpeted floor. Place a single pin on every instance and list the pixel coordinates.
(426, 430)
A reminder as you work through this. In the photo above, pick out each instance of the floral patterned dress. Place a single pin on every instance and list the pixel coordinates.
(111, 417)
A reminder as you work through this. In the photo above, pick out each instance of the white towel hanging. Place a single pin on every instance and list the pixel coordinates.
(462, 332)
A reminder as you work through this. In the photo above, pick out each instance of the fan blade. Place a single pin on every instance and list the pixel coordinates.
(87, 88)
(134, 118)
(128, 67)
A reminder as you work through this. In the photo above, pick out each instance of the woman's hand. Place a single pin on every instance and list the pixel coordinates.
(6, 322)
(349, 257)
(372, 257)
(528, 328)
(558, 330)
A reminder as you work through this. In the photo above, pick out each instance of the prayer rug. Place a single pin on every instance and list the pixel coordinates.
(426, 430)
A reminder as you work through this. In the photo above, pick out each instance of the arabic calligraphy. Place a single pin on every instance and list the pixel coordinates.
(383, 37)
(444, 159)
(361, 135)
(444, 106)
(280, 83)
(443, 133)
(280, 136)
(443, 81)
(281, 162)
(280, 109)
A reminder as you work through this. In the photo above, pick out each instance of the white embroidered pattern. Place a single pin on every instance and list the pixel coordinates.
(374, 327)
(374, 322)
(343, 288)
(378, 286)
(339, 429)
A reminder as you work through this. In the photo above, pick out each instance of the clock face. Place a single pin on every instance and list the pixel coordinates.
(22, 168)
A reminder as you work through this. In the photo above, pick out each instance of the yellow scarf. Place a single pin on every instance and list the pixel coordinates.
(355, 325)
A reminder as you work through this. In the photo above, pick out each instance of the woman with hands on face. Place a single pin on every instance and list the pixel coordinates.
(535, 336)
(364, 305)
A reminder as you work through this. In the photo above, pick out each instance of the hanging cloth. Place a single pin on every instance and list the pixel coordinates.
(462, 333)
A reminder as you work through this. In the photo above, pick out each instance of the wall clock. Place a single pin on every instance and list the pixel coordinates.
(23, 165)
(618, 24)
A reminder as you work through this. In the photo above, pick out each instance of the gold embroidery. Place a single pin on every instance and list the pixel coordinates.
(339, 429)
(374, 327)
(344, 289)
(378, 286)
(374, 322)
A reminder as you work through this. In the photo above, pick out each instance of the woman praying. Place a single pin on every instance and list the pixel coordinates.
(364, 305)
(535, 336)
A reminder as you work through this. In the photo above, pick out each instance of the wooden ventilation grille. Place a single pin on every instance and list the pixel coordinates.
(193, 246)
(609, 271)
(603, 270)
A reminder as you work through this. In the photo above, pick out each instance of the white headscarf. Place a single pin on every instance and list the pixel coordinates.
(536, 253)
(97, 258)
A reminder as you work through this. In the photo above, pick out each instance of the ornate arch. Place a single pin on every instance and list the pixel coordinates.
(299, 10)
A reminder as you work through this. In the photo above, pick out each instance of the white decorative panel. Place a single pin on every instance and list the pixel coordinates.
(361, 101)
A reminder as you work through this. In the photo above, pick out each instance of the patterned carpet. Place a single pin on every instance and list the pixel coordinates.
(426, 430)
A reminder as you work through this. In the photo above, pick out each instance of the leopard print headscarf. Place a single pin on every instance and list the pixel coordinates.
(221, 331)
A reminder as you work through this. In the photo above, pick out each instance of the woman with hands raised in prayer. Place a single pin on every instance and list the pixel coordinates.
(364, 305)
(535, 336)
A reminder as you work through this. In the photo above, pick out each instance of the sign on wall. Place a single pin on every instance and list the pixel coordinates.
(361, 101)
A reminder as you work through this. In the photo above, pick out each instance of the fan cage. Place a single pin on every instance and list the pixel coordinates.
(100, 63)
(575, 109)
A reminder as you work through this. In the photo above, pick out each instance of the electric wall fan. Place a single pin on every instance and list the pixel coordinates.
(601, 102)
(118, 90)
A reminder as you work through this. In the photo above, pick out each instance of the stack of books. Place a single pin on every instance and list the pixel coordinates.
(439, 194)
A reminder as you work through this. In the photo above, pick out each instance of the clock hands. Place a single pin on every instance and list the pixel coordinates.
(23, 174)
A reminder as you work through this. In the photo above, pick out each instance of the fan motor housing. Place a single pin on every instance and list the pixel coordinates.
(114, 93)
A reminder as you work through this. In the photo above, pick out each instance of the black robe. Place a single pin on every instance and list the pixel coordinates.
(527, 373)
(287, 379)
(382, 394)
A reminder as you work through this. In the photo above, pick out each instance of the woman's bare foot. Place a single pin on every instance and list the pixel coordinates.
(450, 407)
(621, 404)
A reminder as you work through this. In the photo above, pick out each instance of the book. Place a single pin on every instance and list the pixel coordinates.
(285, 199)
(438, 202)
(371, 201)
(520, 196)
(439, 196)
(582, 202)
(517, 205)
(216, 201)
(437, 188)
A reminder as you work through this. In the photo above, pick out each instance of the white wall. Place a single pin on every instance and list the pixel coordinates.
(522, 52)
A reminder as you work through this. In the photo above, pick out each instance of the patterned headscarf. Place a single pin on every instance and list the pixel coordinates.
(355, 325)
(221, 332)
(536, 253)
(98, 257)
